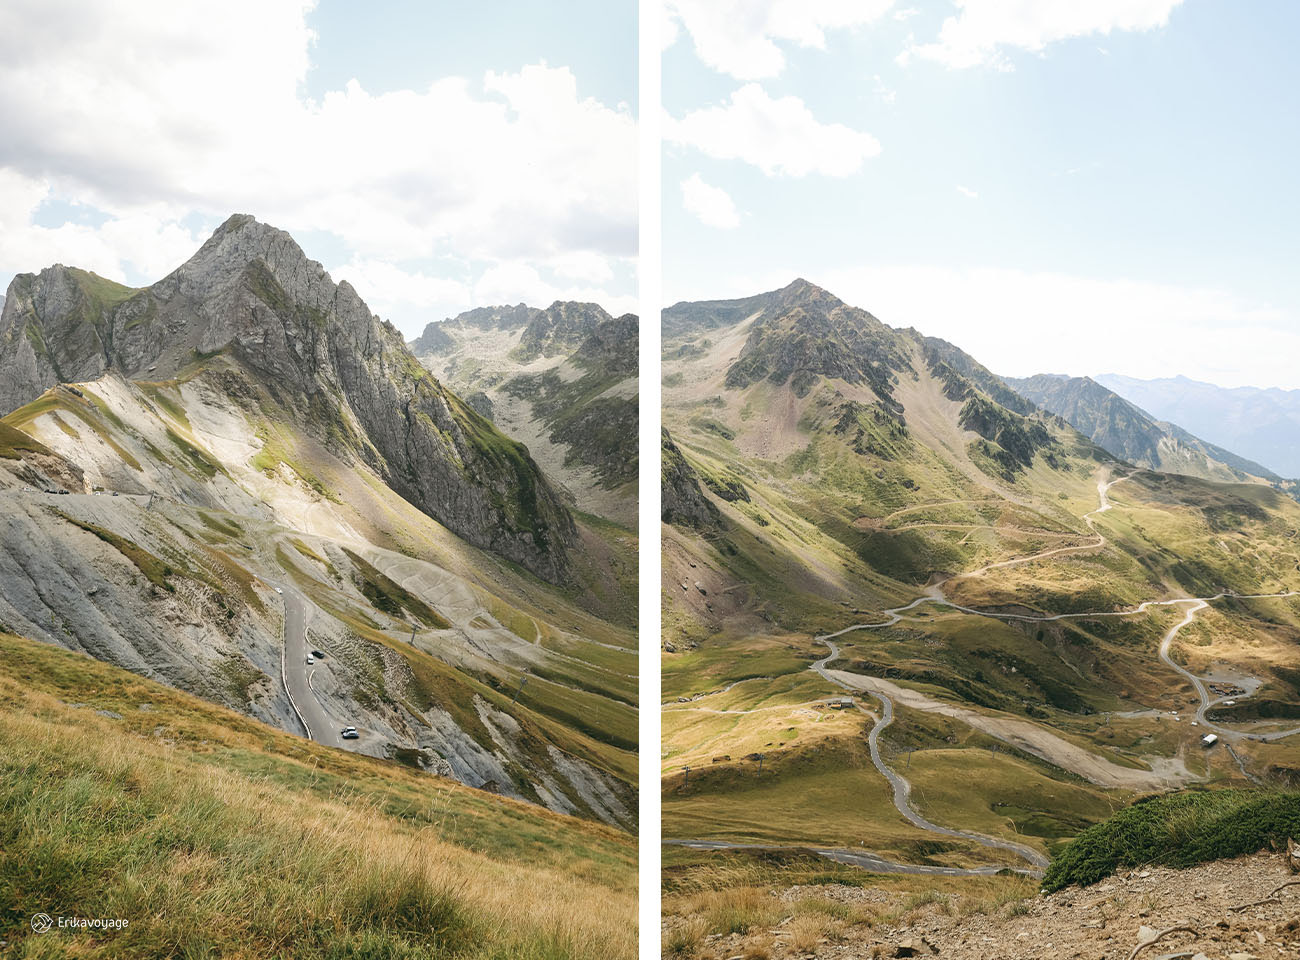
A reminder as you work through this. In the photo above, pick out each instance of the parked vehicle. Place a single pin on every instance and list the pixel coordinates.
(350, 733)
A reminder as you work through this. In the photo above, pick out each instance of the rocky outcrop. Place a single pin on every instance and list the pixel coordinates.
(612, 345)
(435, 339)
(683, 501)
(251, 292)
(803, 333)
(559, 329)
(55, 326)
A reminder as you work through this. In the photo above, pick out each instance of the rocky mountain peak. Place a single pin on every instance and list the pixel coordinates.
(327, 362)
(560, 328)
(435, 339)
(803, 332)
(243, 248)
(801, 292)
(613, 344)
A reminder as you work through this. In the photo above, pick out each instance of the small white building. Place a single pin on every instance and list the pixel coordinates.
(1209, 740)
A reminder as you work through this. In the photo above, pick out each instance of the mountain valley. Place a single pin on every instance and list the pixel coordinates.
(918, 624)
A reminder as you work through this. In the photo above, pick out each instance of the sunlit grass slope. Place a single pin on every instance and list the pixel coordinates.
(217, 836)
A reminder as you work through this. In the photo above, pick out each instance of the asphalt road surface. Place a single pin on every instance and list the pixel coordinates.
(297, 673)
(934, 594)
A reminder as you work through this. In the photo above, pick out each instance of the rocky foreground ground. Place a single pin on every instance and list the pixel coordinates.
(1227, 910)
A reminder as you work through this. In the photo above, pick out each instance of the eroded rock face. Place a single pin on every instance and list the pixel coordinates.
(251, 292)
(559, 329)
(50, 330)
(684, 503)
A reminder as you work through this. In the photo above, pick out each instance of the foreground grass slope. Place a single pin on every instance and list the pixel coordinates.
(215, 835)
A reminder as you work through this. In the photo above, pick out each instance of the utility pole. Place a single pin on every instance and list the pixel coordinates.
(760, 764)
(909, 757)
(521, 688)
(686, 780)
(412, 634)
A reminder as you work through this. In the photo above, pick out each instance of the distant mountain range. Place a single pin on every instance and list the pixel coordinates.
(1262, 424)
(560, 380)
(1127, 431)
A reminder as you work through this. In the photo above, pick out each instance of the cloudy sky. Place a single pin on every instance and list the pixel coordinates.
(438, 155)
(1056, 186)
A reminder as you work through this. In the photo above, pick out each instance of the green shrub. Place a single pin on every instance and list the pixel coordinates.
(1178, 830)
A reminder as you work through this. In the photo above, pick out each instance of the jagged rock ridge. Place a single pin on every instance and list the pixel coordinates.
(252, 293)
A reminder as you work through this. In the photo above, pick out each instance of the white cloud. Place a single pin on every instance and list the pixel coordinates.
(982, 31)
(779, 136)
(1019, 323)
(522, 283)
(152, 112)
(883, 92)
(147, 238)
(387, 288)
(712, 205)
(582, 265)
(739, 37)
(968, 192)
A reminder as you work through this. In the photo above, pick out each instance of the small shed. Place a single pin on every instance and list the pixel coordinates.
(1209, 740)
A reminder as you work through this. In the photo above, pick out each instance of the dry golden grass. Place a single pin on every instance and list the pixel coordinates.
(209, 861)
(806, 931)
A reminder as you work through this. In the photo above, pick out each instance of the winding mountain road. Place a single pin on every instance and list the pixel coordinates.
(1199, 684)
(1026, 736)
(903, 789)
(934, 594)
(296, 674)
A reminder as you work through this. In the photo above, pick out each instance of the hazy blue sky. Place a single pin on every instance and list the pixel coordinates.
(438, 155)
(1061, 187)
